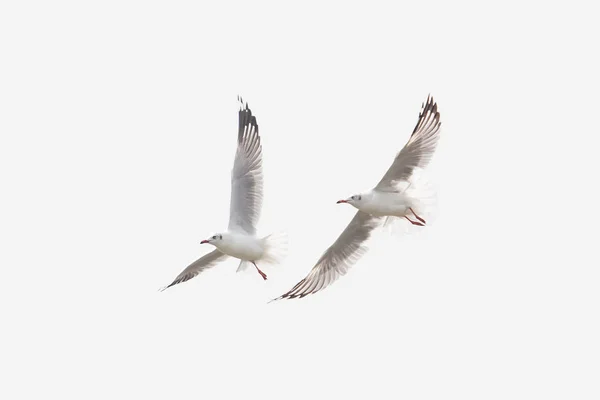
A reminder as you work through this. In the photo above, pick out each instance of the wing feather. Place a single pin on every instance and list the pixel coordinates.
(246, 176)
(198, 266)
(418, 150)
(338, 258)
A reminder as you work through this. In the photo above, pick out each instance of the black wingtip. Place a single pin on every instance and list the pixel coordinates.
(245, 119)
(430, 101)
(243, 105)
(429, 107)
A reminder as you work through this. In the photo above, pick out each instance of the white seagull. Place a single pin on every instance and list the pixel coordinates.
(240, 240)
(393, 197)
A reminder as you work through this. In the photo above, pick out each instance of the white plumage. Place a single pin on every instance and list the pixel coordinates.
(394, 196)
(240, 240)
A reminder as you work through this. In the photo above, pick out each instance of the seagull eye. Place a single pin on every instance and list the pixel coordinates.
(352, 197)
(214, 237)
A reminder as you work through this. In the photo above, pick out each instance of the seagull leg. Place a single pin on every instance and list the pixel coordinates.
(264, 276)
(415, 214)
(414, 222)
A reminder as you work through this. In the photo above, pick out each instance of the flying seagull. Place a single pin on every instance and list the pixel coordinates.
(393, 197)
(240, 240)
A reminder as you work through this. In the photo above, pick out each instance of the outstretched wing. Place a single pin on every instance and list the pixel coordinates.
(201, 264)
(246, 176)
(338, 258)
(418, 150)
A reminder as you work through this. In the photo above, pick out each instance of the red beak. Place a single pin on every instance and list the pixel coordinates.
(204, 241)
(341, 201)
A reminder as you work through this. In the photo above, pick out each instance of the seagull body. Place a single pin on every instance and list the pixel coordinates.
(240, 239)
(395, 196)
(381, 204)
(240, 245)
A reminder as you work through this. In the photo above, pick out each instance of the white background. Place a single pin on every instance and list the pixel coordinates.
(118, 123)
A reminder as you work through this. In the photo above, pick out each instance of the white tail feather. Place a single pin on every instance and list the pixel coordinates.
(396, 226)
(243, 265)
(423, 193)
(276, 248)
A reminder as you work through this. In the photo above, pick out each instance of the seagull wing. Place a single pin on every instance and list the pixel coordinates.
(338, 258)
(201, 264)
(246, 176)
(419, 149)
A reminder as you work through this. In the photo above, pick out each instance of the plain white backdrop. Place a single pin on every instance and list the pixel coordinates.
(118, 123)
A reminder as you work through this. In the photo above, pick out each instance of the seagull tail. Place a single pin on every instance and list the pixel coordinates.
(276, 248)
(243, 265)
(424, 196)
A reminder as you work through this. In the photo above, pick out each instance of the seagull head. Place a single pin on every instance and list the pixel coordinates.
(352, 200)
(214, 239)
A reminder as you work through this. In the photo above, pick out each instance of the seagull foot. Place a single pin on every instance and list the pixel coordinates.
(264, 276)
(414, 222)
(416, 216)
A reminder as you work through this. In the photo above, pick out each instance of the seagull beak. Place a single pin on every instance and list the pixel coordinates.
(204, 241)
(341, 201)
